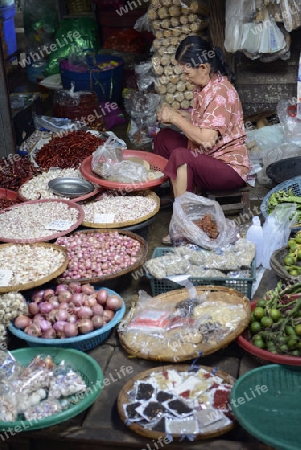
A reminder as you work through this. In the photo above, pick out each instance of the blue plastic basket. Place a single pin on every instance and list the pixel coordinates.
(7, 14)
(106, 83)
(160, 286)
(84, 342)
(293, 183)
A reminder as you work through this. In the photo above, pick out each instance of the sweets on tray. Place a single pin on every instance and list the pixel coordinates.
(180, 401)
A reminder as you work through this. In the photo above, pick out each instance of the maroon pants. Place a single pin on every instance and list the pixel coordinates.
(203, 171)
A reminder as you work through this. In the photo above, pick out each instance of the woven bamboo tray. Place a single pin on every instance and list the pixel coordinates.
(183, 351)
(51, 233)
(96, 191)
(141, 258)
(277, 265)
(124, 398)
(128, 223)
(39, 282)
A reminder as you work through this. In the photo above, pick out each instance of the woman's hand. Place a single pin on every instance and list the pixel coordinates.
(165, 114)
(185, 114)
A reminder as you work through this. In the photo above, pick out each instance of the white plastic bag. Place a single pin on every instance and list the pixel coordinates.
(105, 156)
(276, 230)
(189, 208)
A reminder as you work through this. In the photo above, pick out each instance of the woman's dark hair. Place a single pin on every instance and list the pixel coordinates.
(194, 51)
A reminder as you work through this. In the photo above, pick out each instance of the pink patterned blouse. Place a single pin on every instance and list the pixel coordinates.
(217, 107)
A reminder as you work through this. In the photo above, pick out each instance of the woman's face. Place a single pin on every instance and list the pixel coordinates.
(199, 76)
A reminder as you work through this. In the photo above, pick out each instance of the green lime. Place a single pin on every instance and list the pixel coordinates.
(289, 330)
(292, 343)
(264, 334)
(258, 343)
(261, 303)
(271, 346)
(282, 339)
(298, 329)
(258, 312)
(275, 314)
(283, 348)
(289, 260)
(295, 353)
(298, 239)
(293, 247)
(291, 243)
(294, 272)
(266, 321)
(255, 327)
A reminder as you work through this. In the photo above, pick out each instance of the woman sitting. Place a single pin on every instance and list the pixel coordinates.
(209, 151)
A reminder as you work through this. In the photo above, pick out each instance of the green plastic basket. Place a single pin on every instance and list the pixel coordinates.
(82, 363)
(266, 402)
(160, 286)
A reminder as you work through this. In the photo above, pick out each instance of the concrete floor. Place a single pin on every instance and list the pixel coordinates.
(100, 427)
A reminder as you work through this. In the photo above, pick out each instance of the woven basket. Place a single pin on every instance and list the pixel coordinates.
(49, 234)
(146, 193)
(124, 398)
(79, 6)
(51, 276)
(277, 264)
(293, 183)
(179, 354)
(141, 257)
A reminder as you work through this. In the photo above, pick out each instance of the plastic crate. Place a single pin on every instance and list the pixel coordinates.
(160, 286)
(293, 183)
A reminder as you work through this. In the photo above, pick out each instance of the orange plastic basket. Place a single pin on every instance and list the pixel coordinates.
(156, 162)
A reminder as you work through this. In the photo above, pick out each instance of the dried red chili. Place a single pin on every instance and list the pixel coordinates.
(68, 151)
(14, 170)
(5, 203)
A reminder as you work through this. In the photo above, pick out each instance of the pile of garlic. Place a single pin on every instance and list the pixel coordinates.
(12, 304)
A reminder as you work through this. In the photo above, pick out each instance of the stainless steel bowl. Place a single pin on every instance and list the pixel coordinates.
(70, 187)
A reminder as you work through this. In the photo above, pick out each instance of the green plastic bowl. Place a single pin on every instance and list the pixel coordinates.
(266, 402)
(82, 363)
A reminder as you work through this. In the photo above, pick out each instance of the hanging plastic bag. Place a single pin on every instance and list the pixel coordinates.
(272, 38)
(142, 109)
(276, 230)
(200, 221)
(237, 14)
(250, 41)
